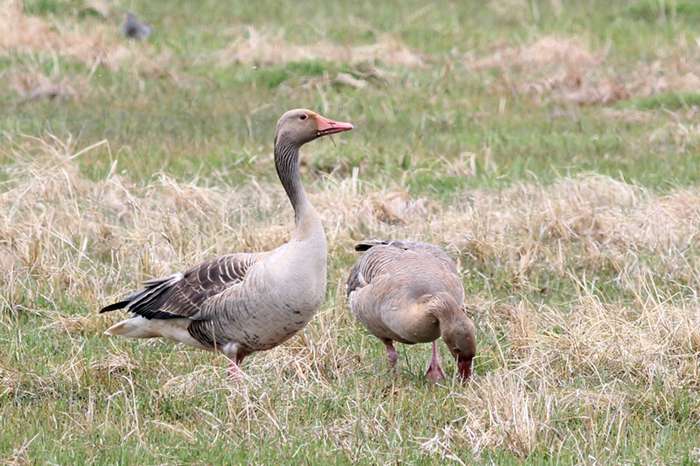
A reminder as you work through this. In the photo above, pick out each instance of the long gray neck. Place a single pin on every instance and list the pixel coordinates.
(287, 165)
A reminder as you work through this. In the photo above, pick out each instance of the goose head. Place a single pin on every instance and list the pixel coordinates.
(299, 126)
(459, 336)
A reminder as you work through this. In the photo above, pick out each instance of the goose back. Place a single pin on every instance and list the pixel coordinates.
(390, 285)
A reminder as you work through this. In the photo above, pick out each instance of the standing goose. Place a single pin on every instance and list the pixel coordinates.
(411, 292)
(245, 302)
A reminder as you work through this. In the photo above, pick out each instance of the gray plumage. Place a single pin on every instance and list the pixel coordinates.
(133, 28)
(373, 260)
(187, 295)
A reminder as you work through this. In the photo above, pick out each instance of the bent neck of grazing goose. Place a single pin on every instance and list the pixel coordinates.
(287, 165)
(456, 329)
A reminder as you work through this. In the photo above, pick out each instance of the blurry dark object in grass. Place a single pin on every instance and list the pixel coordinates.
(133, 28)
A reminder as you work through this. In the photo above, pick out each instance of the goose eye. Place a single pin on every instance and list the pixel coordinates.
(303, 116)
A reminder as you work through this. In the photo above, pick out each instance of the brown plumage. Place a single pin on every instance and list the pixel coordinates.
(246, 302)
(411, 292)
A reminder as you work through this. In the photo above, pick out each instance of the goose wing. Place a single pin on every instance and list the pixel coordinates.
(415, 246)
(371, 264)
(184, 294)
(380, 252)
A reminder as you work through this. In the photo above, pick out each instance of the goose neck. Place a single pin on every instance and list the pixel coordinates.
(287, 166)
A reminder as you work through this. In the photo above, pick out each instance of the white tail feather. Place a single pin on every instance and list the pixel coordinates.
(136, 327)
(140, 327)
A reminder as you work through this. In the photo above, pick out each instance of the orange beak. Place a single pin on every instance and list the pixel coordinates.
(324, 126)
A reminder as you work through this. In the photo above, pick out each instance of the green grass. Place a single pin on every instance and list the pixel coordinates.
(669, 101)
(52, 7)
(659, 10)
(416, 129)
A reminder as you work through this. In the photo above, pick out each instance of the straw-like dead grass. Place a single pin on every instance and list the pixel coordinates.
(54, 218)
(558, 66)
(262, 47)
(548, 50)
(612, 348)
(560, 374)
(564, 68)
(31, 83)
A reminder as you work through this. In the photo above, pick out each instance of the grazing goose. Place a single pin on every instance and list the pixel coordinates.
(245, 302)
(411, 292)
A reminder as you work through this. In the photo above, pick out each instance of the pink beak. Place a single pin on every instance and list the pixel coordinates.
(325, 126)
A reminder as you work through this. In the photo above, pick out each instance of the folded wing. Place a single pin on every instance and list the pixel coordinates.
(184, 294)
(379, 253)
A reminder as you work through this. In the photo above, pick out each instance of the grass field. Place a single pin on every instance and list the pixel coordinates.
(552, 147)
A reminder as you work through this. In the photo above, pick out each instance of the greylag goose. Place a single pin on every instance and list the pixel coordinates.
(245, 302)
(410, 292)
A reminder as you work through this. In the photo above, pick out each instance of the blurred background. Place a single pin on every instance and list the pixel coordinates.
(507, 88)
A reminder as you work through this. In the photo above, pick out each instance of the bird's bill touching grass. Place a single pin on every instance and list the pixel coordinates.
(326, 126)
(464, 367)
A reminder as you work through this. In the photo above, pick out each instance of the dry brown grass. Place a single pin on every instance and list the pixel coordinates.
(564, 68)
(614, 348)
(674, 69)
(548, 50)
(559, 66)
(262, 47)
(682, 133)
(65, 237)
(61, 228)
(31, 83)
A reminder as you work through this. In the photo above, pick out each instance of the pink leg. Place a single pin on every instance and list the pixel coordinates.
(234, 370)
(435, 372)
(391, 352)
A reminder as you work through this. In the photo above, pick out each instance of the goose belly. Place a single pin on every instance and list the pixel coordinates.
(269, 327)
(284, 304)
(266, 323)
